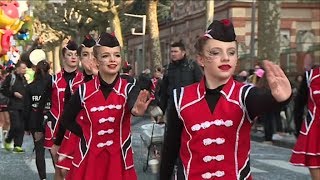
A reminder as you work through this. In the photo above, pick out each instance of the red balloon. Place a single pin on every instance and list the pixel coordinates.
(5, 40)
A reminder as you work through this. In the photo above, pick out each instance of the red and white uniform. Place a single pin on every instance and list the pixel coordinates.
(68, 146)
(307, 149)
(214, 145)
(57, 103)
(105, 150)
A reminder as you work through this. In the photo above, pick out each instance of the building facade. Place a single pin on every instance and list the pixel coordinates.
(300, 31)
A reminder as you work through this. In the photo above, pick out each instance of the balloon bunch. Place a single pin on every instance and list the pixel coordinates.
(10, 24)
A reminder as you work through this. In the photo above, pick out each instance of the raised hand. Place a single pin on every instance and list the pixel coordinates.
(141, 104)
(278, 82)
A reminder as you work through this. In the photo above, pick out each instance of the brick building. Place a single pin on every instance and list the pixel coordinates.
(300, 31)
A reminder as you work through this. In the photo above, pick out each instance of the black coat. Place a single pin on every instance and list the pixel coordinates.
(34, 91)
(178, 74)
(19, 86)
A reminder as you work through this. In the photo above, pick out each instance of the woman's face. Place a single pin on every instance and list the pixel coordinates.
(299, 78)
(219, 59)
(87, 61)
(109, 60)
(71, 59)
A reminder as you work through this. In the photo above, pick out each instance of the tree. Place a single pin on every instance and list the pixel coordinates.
(269, 30)
(152, 20)
(209, 13)
(61, 21)
(113, 7)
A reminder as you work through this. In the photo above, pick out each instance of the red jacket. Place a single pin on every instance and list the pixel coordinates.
(57, 97)
(313, 81)
(107, 133)
(214, 144)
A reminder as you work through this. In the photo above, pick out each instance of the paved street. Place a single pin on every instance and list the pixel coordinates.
(267, 162)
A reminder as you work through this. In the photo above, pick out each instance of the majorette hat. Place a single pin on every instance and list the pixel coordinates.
(222, 30)
(71, 45)
(106, 39)
(88, 41)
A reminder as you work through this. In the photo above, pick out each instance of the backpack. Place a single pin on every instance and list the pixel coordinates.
(4, 100)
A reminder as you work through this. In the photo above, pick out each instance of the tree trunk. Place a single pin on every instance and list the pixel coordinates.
(116, 25)
(56, 61)
(49, 55)
(209, 13)
(154, 32)
(269, 30)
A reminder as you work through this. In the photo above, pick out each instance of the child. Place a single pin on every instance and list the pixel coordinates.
(307, 149)
(213, 118)
(104, 150)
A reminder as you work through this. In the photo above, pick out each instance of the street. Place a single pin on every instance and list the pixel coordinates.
(267, 162)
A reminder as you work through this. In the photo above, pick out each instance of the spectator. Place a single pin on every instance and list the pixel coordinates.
(35, 126)
(16, 92)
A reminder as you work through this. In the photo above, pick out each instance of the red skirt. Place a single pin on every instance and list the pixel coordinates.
(102, 166)
(48, 136)
(68, 144)
(64, 163)
(307, 149)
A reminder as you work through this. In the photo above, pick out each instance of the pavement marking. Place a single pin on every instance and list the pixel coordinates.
(284, 165)
(33, 167)
(256, 170)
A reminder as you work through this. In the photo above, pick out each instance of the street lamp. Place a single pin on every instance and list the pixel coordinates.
(143, 33)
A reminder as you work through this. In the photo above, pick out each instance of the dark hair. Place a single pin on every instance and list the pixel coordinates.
(179, 45)
(157, 68)
(42, 69)
(251, 72)
(19, 63)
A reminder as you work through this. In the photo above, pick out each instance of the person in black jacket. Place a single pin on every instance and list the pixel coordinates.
(16, 93)
(34, 91)
(179, 73)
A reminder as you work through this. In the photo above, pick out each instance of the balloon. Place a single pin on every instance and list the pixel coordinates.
(23, 36)
(5, 40)
(14, 57)
(36, 56)
(9, 15)
(9, 23)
